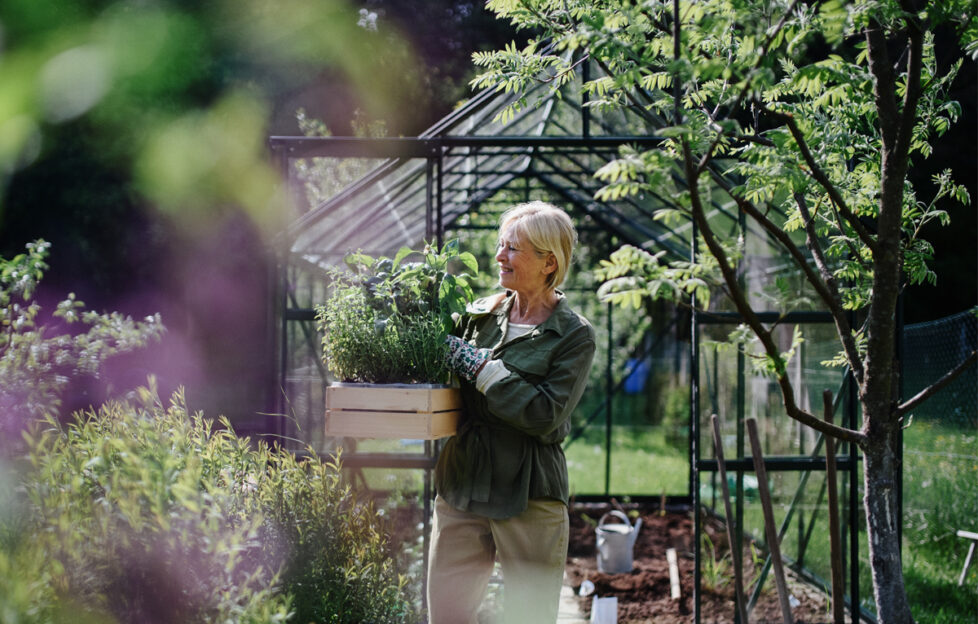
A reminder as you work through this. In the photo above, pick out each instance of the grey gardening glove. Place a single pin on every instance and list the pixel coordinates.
(465, 360)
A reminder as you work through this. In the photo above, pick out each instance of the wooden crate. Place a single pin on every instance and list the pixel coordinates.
(396, 411)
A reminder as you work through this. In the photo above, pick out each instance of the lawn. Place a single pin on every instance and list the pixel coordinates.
(643, 462)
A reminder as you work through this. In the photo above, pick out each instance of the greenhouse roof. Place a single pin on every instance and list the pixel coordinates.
(424, 185)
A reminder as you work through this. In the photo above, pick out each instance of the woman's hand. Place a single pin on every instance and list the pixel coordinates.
(465, 360)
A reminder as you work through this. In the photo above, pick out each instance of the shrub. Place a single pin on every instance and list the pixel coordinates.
(144, 513)
(386, 320)
(38, 360)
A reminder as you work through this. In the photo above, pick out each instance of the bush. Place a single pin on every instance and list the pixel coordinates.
(39, 356)
(144, 513)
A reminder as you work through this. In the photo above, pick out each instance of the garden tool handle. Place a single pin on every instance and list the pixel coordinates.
(617, 514)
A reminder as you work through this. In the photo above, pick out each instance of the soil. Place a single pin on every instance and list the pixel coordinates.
(644, 593)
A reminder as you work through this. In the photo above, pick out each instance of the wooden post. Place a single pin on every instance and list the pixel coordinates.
(835, 536)
(725, 488)
(770, 529)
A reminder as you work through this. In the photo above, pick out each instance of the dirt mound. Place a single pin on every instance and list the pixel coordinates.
(644, 593)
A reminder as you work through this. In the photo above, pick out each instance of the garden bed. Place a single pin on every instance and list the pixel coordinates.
(644, 594)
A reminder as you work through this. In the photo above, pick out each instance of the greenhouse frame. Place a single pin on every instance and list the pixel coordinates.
(453, 180)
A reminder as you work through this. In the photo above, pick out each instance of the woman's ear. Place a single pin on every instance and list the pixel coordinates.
(551, 265)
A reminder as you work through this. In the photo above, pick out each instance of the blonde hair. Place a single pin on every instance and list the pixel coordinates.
(549, 229)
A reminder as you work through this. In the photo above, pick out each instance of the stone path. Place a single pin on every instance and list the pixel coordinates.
(569, 612)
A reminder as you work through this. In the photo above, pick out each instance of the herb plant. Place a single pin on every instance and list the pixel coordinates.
(386, 319)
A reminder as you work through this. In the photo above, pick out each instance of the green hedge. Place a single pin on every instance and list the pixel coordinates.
(142, 512)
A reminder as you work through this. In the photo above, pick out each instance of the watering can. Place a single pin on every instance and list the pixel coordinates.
(616, 542)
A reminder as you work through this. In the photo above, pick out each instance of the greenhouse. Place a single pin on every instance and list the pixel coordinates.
(661, 371)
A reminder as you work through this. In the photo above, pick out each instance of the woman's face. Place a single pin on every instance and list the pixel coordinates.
(521, 267)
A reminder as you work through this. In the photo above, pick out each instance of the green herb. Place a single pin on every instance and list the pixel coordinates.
(386, 319)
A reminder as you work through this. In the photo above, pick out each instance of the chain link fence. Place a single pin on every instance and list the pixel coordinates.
(940, 472)
(932, 349)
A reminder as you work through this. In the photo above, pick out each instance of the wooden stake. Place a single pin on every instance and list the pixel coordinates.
(835, 536)
(725, 488)
(770, 529)
(675, 593)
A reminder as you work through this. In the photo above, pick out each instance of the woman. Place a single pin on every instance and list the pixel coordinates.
(522, 358)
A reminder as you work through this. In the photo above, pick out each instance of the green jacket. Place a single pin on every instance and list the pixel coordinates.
(508, 446)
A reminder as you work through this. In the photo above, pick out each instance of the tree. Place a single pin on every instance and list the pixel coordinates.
(806, 117)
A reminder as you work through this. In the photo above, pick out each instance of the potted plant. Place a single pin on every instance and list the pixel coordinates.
(384, 326)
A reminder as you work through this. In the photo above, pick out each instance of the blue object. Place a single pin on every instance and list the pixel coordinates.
(635, 382)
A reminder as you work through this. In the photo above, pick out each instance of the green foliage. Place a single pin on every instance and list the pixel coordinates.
(746, 72)
(631, 275)
(715, 568)
(743, 339)
(38, 356)
(386, 319)
(142, 510)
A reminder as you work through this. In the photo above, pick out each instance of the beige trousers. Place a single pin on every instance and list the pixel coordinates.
(532, 549)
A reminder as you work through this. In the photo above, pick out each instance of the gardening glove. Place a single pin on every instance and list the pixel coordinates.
(464, 359)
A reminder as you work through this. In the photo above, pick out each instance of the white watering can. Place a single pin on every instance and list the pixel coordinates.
(615, 543)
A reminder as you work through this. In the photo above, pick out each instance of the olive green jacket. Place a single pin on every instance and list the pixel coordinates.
(507, 449)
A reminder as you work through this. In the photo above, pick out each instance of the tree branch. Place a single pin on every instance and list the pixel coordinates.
(823, 283)
(780, 235)
(937, 386)
(882, 71)
(896, 128)
(835, 300)
(911, 97)
(840, 203)
(739, 299)
(745, 89)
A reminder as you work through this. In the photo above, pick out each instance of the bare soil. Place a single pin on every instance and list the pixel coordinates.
(644, 593)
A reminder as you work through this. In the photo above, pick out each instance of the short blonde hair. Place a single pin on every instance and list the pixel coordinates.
(549, 229)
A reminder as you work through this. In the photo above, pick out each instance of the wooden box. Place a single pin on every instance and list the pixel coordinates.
(397, 411)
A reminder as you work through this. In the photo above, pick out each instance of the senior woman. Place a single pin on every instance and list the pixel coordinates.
(522, 357)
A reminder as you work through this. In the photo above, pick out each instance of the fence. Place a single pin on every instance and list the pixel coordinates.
(929, 351)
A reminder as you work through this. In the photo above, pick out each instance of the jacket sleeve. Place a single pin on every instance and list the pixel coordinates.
(541, 393)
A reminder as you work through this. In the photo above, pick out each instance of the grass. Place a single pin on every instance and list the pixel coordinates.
(940, 481)
(643, 462)
(940, 497)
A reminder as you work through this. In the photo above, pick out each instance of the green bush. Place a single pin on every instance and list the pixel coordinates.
(142, 512)
(39, 356)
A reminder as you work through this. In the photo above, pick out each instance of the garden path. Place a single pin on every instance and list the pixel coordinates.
(570, 609)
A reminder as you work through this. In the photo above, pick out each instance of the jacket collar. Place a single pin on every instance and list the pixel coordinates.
(559, 321)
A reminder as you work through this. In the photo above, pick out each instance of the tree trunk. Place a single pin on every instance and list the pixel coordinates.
(880, 468)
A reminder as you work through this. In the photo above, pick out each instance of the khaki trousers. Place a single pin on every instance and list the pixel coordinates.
(532, 549)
